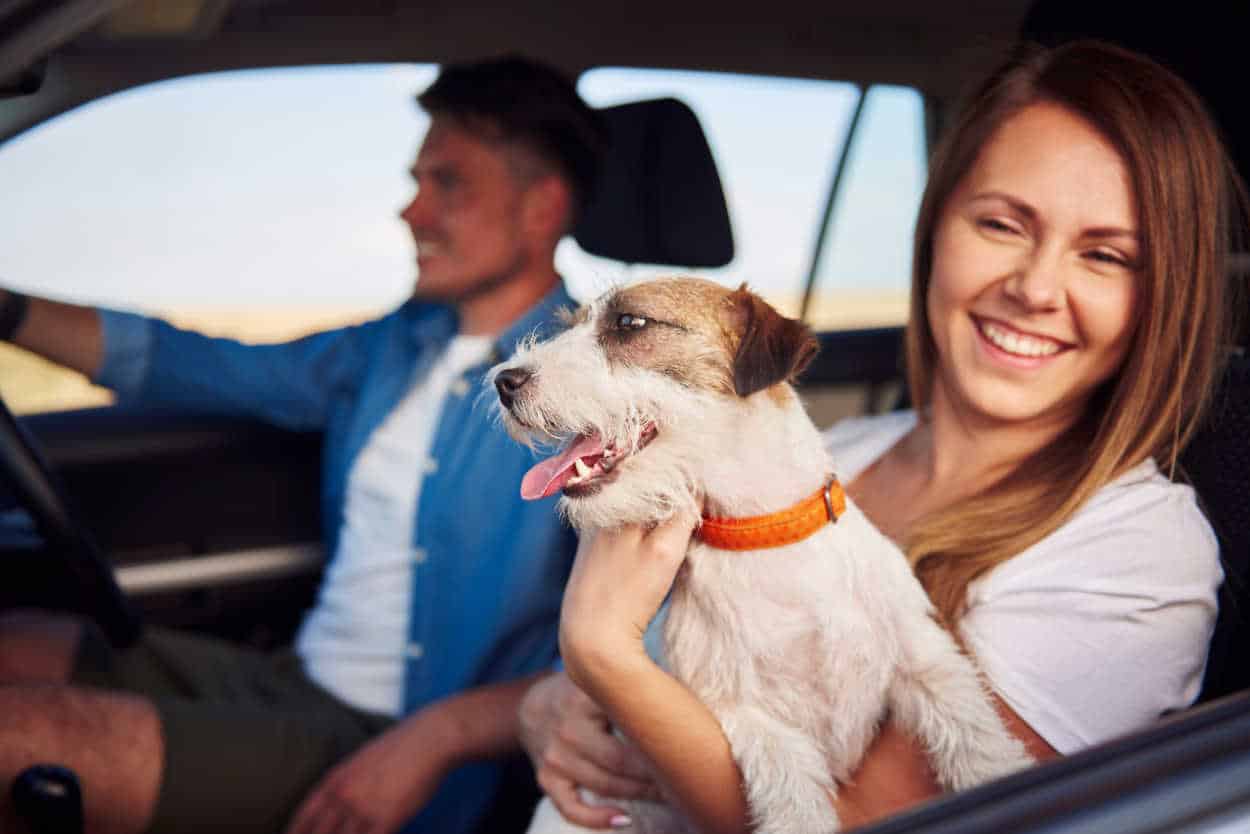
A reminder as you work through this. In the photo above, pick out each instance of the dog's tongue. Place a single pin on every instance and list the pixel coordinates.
(549, 476)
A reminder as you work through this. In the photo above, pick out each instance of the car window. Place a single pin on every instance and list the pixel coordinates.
(258, 204)
(863, 270)
(778, 144)
(263, 204)
(773, 141)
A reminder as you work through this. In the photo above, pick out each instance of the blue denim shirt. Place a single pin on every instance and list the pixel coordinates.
(486, 600)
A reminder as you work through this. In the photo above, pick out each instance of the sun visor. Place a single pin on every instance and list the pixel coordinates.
(659, 198)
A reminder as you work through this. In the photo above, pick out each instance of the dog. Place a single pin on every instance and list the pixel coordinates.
(674, 395)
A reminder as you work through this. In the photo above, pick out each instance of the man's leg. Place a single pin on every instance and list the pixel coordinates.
(225, 739)
(38, 646)
(112, 741)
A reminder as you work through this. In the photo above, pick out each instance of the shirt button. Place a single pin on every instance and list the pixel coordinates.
(430, 466)
(414, 651)
(460, 387)
(419, 555)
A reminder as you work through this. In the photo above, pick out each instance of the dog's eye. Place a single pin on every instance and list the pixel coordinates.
(628, 321)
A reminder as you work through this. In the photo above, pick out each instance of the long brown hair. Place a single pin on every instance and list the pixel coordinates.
(1185, 189)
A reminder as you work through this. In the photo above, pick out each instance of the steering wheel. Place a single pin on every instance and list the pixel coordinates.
(32, 481)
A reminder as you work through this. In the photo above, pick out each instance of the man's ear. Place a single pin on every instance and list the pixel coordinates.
(547, 207)
(771, 347)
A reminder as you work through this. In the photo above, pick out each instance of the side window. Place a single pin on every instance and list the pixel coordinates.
(259, 205)
(779, 146)
(863, 268)
(774, 141)
(263, 204)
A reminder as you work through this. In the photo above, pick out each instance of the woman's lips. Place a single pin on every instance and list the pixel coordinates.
(1016, 347)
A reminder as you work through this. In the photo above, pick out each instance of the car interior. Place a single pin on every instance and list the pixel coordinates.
(210, 522)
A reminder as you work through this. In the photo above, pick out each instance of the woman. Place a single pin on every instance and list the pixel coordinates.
(1068, 321)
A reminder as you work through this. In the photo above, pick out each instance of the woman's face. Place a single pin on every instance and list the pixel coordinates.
(1033, 293)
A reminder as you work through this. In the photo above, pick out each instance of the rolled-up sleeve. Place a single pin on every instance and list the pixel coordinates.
(292, 384)
(127, 350)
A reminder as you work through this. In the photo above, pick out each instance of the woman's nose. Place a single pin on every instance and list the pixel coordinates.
(1038, 282)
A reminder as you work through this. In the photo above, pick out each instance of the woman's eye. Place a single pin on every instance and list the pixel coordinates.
(995, 225)
(628, 321)
(1109, 258)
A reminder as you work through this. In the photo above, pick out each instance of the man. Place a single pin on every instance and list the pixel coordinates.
(431, 621)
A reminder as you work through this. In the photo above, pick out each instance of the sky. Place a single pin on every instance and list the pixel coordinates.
(282, 187)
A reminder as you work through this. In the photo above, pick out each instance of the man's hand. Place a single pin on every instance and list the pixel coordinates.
(572, 746)
(381, 786)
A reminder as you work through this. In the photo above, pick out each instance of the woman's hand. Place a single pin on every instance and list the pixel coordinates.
(572, 746)
(619, 581)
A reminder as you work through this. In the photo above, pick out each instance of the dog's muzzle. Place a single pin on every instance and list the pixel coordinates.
(510, 381)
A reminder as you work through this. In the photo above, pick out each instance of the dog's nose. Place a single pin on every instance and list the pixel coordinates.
(508, 382)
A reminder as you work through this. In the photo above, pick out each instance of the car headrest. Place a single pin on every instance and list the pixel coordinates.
(659, 198)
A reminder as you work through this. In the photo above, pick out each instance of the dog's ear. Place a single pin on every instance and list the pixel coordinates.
(771, 347)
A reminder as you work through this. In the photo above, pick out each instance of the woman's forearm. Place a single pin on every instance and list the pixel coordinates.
(619, 580)
(676, 731)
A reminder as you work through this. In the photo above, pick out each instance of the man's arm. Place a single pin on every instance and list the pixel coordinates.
(386, 782)
(67, 334)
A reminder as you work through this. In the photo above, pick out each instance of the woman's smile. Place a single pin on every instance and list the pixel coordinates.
(1015, 347)
(1033, 291)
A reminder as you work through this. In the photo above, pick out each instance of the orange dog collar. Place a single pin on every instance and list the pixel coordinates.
(776, 529)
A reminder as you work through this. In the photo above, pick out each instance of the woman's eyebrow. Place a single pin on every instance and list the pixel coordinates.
(1021, 207)
(1106, 232)
(1017, 205)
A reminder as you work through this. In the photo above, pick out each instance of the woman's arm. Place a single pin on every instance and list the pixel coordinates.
(895, 774)
(619, 580)
(570, 741)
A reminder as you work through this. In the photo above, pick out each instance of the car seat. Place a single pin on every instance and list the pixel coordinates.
(1217, 463)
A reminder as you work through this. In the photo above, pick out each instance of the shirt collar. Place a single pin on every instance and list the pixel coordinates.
(539, 319)
(431, 324)
(436, 324)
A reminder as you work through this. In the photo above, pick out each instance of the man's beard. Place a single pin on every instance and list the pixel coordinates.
(459, 292)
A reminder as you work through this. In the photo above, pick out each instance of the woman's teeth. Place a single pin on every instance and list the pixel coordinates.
(1017, 343)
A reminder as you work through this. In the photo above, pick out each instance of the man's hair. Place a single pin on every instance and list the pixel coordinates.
(519, 101)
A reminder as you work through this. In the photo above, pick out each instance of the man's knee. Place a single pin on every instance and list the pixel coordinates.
(38, 646)
(111, 741)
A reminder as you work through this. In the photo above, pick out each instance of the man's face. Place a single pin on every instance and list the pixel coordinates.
(466, 217)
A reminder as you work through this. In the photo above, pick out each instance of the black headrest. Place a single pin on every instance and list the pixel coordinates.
(659, 198)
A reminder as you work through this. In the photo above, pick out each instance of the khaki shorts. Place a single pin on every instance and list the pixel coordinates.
(247, 734)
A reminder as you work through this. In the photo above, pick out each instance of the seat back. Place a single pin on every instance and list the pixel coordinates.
(1217, 463)
(659, 198)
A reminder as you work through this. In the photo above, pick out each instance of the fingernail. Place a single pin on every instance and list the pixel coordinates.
(620, 821)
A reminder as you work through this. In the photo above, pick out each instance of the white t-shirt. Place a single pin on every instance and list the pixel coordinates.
(1101, 627)
(355, 641)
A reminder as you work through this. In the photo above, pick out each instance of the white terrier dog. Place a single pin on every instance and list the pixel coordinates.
(674, 395)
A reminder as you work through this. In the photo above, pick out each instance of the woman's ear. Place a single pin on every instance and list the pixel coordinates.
(771, 347)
